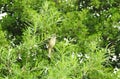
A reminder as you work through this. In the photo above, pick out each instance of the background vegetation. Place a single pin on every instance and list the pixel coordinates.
(88, 39)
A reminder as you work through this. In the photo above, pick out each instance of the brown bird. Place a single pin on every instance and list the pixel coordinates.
(51, 44)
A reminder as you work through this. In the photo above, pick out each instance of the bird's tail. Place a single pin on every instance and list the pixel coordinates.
(49, 52)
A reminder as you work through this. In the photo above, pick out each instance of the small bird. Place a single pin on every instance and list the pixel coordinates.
(51, 44)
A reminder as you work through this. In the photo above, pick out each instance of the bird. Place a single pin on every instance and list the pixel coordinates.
(51, 44)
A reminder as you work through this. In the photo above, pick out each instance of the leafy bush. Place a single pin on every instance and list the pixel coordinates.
(87, 45)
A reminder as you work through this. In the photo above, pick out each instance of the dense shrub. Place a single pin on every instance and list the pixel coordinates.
(87, 46)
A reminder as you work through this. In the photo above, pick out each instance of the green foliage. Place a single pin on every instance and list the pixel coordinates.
(87, 45)
(3, 40)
